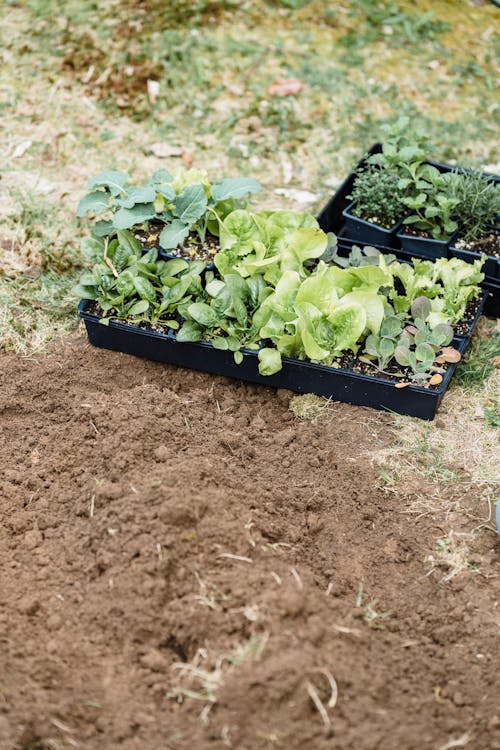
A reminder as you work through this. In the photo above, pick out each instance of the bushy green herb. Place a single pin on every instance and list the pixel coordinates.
(477, 202)
(376, 198)
(434, 209)
(404, 151)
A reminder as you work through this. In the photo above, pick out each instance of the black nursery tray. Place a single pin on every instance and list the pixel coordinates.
(301, 377)
(331, 219)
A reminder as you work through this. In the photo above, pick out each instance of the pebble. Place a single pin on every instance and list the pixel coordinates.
(33, 539)
(458, 699)
(258, 423)
(28, 605)
(54, 621)
(284, 395)
(46, 521)
(154, 660)
(161, 453)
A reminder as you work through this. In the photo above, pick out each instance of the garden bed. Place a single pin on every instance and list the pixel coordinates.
(185, 524)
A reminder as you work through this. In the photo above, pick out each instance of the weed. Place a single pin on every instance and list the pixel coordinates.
(370, 612)
(451, 554)
(201, 684)
(310, 407)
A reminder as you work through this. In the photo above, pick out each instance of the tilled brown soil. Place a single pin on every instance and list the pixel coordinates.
(182, 563)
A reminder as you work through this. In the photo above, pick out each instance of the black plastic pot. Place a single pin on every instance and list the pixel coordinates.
(298, 376)
(367, 233)
(492, 306)
(424, 247)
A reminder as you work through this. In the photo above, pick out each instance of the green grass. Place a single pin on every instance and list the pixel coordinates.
(75, 83)
(477, 364)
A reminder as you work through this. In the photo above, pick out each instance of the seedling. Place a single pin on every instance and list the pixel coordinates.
(179, 204)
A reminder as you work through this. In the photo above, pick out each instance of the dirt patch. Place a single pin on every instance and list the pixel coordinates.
(186, 565)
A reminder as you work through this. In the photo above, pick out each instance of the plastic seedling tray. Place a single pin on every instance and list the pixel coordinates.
(332, 219)
(301, 377)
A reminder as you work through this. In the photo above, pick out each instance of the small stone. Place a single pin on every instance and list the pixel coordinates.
(33, 539)
(28, 605)
(494, 722)
(258, 423)
(46, 521)
(458, 699)
(54, 621)
(51, 647)
(154, 660)
(161, 453)
(284, 395)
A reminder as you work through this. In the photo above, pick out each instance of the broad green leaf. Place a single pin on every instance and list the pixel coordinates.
(269, 361)
(402, 356)
(93, 203)
(238, 357)
(320, 288)
(140, 307)
(373, 305)
(160, 176)
(203, 314)
(214, 287)
(125, 284)
(191, 204)
(85, 292)
(173, 235)
(129, 217)
(218, 342)
(174, 266)
(312, 349)
(189, 331)
(149, 259)
(145, 289)
(239, 231)
(121, 257)
(134, 195)
(166, 191)
(306, 243)
(127, 240)
(102, 228)
(350, 323)
(111, 179)
(235, 188)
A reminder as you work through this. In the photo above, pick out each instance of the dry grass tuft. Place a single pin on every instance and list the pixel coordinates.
(310, 407)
